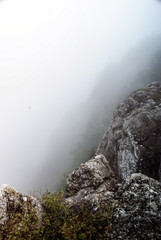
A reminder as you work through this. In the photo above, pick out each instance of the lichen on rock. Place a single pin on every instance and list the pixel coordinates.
(139, 213)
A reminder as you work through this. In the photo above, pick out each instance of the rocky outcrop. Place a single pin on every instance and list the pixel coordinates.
(130, 152)
(134, 204)
(132, 142)
(138, 215)
(12, 202)
(90, 184)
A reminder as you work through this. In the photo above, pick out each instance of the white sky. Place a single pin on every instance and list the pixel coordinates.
(51, 54)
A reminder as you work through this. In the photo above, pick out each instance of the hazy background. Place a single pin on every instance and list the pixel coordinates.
(54, 56)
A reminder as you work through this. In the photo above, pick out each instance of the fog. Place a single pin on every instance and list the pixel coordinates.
(53, 57)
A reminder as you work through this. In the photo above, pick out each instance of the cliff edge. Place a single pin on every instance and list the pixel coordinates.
(125, 173)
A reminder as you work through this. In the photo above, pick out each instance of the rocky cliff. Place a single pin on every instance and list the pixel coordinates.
(130, 154)
(122, 179)
(132, 142)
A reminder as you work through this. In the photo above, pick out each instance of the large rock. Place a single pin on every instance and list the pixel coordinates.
(139, 213)
(93, 174)
(132, 142)
(12, 202)
(90, 184)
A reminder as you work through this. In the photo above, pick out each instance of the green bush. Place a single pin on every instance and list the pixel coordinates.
(23, 223)
(56, 223)
(55, 216)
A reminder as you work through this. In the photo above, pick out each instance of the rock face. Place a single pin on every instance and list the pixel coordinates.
(12, 201)
(132, 142)
(139, 213)
(136, 206)
(130, 151)
(89, 183)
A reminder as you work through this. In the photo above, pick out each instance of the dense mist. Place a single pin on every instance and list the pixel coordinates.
(81, 137)
(64, 66)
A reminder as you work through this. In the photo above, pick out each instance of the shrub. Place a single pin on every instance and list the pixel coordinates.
(56, 223)
(23, 223)
(55, 216)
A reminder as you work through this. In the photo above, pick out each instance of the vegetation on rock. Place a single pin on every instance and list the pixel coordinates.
(56, 223)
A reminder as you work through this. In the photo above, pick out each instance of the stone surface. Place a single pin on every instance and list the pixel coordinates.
(134, 204)
(90, 184)
(132, 142)
(11, 201)
(93, 174)
(93, 200)
(139, 213)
